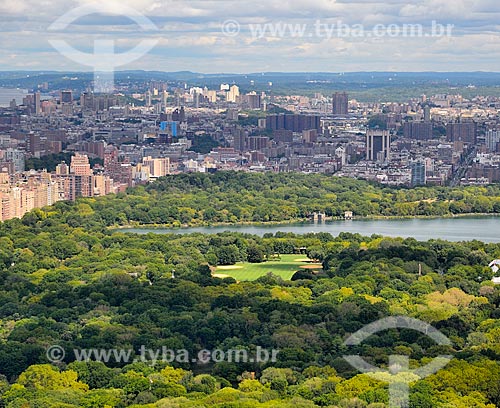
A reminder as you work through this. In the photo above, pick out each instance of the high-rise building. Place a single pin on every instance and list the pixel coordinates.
(211, 96)
(82, 173)
(62, 169)
(66, 97)
(84, 186)
(67, 109)
(233, 93)
(257, 142)
(80, 165)
(465, 132)
(240, 139)
(48, 107)
(159, 167)
(178, 115)
(4, 181)
(95, 148)
(310, 136)
(378, 145)
(492, 139)
(164, 99)
(4, 206)
(87, 100)
(341, 153)
(33, 144)
(340, 103)
(168, 130)
(120, 171)
(196, 100)
(418, 173)
(38, 103)
(16, 157)
(66, 187)
(418, 130)
(427, 113)
(53, 146)
(251, 100)
(17, 202)
(102, 185)
(283, 136)
(232, 114)
(111, 154)
(294, 123)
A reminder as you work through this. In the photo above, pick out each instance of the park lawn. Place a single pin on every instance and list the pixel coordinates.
(244, 271)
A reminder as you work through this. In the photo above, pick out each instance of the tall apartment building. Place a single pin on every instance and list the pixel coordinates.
(121, 172)
(66, 97)
(16, 157)
(83, 174)
(492, 140)
(258, 142)
(295, 123)
(462, 132)
(67, 103)
(251, 100)
(427, 113)
(158, 167)
(80, 165)
(95, 148)
(310, 136)
(84, 186)
(240, 138)
(4, 206)
(340, 103)
(378, 145)
(102, 185)
(418, 173)
(66, 187)
(418, 130)
(37, 190)
(233, 94)
(38, 103)
(33, 144)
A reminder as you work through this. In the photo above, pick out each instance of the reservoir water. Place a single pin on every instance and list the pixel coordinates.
(486, 229)
(7, 94)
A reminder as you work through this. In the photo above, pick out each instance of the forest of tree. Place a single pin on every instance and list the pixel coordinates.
(67, 279)
(231, 197)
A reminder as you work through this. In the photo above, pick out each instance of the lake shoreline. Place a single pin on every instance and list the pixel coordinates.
(297, 221)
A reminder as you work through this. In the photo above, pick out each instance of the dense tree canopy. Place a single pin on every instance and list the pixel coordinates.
(229, 197)
(67, 279)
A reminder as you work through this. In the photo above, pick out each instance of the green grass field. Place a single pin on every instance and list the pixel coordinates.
(244, 271)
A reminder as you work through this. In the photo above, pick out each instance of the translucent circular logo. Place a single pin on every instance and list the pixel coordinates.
(398, 375)
(103, 60)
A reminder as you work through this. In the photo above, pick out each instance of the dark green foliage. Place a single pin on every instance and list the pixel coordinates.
(198, 199)
(67, 279)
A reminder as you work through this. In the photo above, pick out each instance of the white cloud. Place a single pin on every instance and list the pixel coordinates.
(191, 38)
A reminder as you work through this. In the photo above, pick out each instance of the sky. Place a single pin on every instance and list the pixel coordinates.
(239, 36)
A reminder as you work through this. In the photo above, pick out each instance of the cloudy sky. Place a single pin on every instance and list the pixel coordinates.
(237, 35)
